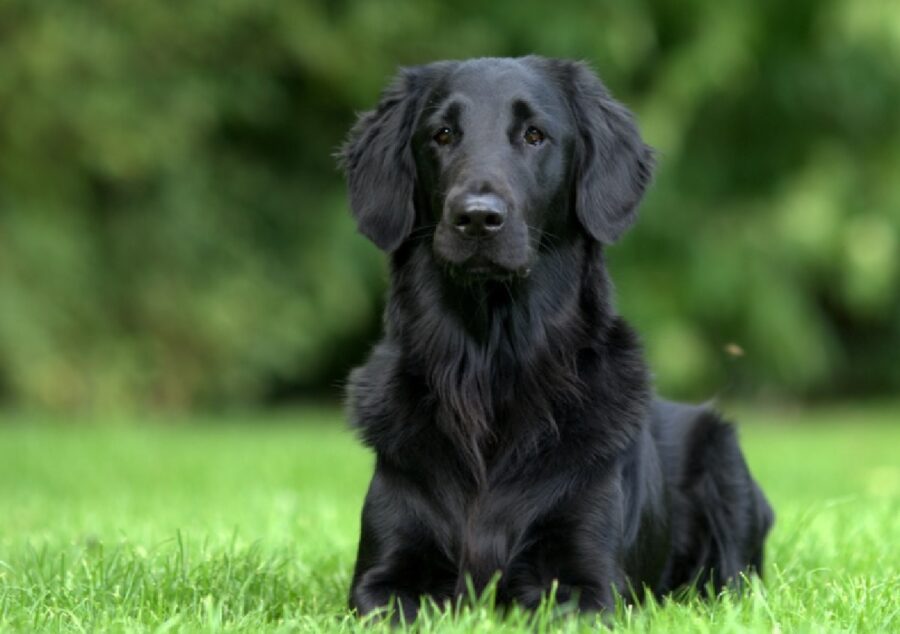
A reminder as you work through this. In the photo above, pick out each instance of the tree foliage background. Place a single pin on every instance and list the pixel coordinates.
(173, 231)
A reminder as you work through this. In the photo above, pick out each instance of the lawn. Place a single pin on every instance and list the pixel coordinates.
(250, 522)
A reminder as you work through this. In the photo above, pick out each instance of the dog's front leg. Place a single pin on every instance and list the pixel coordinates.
(592, 551)
(575, 544)
(398, 561)
(381, 587)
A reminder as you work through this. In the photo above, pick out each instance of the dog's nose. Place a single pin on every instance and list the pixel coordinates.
(479, 216)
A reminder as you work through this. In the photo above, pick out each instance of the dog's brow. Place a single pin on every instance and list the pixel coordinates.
(522, 110)
(451, 112)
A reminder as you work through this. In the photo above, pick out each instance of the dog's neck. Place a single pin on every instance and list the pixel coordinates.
(482, 309)
(492, 350)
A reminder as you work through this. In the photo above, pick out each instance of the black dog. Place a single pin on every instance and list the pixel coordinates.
(508, 405)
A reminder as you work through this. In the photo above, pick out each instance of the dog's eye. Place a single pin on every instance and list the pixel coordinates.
(443, 136)
(533, 136)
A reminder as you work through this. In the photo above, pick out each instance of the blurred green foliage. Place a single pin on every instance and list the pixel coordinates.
(173, 231)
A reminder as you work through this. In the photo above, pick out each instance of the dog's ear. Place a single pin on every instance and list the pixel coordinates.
(378, 161)
(613, 166)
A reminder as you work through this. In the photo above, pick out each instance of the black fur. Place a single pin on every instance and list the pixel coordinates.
(508, 405)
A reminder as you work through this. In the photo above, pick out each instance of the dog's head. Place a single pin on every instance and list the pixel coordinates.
(491, 158)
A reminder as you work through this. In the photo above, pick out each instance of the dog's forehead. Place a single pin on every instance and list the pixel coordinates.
(495, 83)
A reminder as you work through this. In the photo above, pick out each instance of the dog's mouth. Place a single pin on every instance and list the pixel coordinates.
(503, 257)
(481, 269)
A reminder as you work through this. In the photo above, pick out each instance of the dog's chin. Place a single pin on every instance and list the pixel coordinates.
(476, 261)
(480, 269)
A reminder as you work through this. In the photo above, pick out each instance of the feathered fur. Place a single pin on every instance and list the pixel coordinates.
(508, 405)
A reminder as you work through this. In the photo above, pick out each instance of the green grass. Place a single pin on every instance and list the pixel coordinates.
(251, 523)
